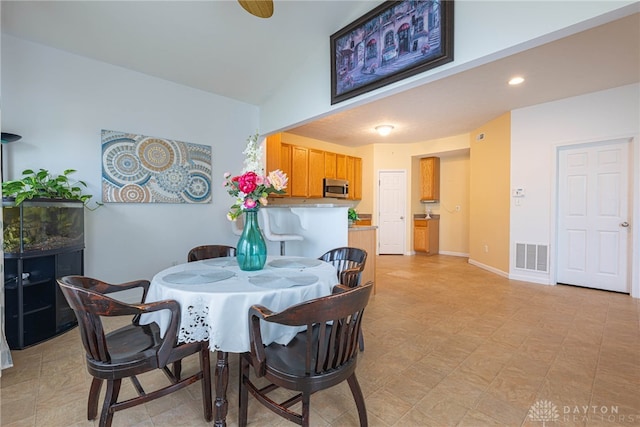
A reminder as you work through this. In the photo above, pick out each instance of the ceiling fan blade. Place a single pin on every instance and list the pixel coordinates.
(259, 8)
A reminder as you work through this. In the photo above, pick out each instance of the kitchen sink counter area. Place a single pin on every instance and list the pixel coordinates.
(424, 216)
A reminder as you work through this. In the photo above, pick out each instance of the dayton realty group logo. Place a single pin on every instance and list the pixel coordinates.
(546, 411)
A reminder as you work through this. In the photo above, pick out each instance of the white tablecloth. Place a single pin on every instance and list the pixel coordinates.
(215, 297)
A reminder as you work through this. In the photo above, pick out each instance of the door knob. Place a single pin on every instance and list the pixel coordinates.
(401, 217)
(624, 224)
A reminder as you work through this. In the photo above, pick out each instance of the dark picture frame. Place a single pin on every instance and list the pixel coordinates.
(396, 40)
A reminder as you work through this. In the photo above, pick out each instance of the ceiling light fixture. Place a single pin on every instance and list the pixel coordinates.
(384, 130)
(516, 81)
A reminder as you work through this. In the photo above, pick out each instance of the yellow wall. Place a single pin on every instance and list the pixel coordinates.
(454, 180)
(489, 194)
(454, 192)
(474, 174)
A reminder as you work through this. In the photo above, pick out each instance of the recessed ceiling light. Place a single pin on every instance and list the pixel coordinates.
(516, 81)
(384, 130)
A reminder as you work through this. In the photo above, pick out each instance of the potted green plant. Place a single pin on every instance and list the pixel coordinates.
(352, 215)
(43, 185)
(43, 212)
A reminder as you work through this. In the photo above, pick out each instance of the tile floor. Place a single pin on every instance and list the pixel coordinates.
(447, 344)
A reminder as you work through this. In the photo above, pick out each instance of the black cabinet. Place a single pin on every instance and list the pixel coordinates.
(43, 240)
(35, 307)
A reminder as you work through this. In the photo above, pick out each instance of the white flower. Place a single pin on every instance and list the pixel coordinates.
(253, 156)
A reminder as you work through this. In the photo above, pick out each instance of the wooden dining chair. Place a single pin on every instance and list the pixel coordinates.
(210, 251)
(131, 350)
(349, 262)
(320, 357)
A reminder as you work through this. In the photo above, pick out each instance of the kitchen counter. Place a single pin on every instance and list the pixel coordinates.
(362, 227)
(364, 237)
(305, 205)
(322, 227)
(424, 216)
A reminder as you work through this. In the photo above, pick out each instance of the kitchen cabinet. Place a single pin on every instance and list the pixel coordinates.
(273, 152)
(354, 176)
(430, 179)
(316, 172)
(365, 238)
(285, 166)
(426, 235)
(341, 166)
(279, 157)
(306, 168)
(351, 177)
(299, 184)
(329, 165)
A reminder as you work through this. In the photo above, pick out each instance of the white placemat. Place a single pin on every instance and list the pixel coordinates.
(295, 263)
(222, 262)
(197, 277)
(277, 281)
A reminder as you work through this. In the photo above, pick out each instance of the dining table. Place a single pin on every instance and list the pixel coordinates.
(215, 296)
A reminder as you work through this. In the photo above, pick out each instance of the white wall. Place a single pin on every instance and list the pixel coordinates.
(536, 133)
(59, 103)
(483, 32)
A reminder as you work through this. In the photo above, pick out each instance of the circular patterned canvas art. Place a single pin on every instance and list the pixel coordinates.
(143, 169)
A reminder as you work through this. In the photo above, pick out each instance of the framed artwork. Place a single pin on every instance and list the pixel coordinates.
(395, 40)
(145, 169)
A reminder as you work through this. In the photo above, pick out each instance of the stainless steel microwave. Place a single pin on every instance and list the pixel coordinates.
(337, 188)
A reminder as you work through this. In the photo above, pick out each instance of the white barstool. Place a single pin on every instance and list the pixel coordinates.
(275, 237)
(237, 226)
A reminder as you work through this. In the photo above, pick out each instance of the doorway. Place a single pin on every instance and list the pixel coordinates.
(392, 196)
(594, 212)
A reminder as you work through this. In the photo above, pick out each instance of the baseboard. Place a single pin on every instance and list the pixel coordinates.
(530, 279)
(489, 268)
(460, 254)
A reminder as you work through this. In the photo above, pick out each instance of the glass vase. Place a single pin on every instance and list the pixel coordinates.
(251, 251)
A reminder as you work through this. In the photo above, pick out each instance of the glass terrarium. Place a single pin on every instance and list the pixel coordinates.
(41, 225)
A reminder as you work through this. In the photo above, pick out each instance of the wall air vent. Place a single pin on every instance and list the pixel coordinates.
(532, 257)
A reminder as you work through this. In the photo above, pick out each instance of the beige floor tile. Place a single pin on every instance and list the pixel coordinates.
(446, 344)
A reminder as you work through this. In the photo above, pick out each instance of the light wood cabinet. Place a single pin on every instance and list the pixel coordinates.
(299, 183)
(354, 174)
(285, 166)
(273, 154)
(306, 168)
(279, 157)
(430, 179)
(426, 235)
(365, 239)
(341, 166)
(351, 177)
(329, 165)
(316, 172)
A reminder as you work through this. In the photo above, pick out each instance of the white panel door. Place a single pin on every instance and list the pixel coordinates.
(391, 221)
(593, 215)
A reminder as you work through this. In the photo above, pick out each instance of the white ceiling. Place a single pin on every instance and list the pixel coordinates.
(217, 47)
